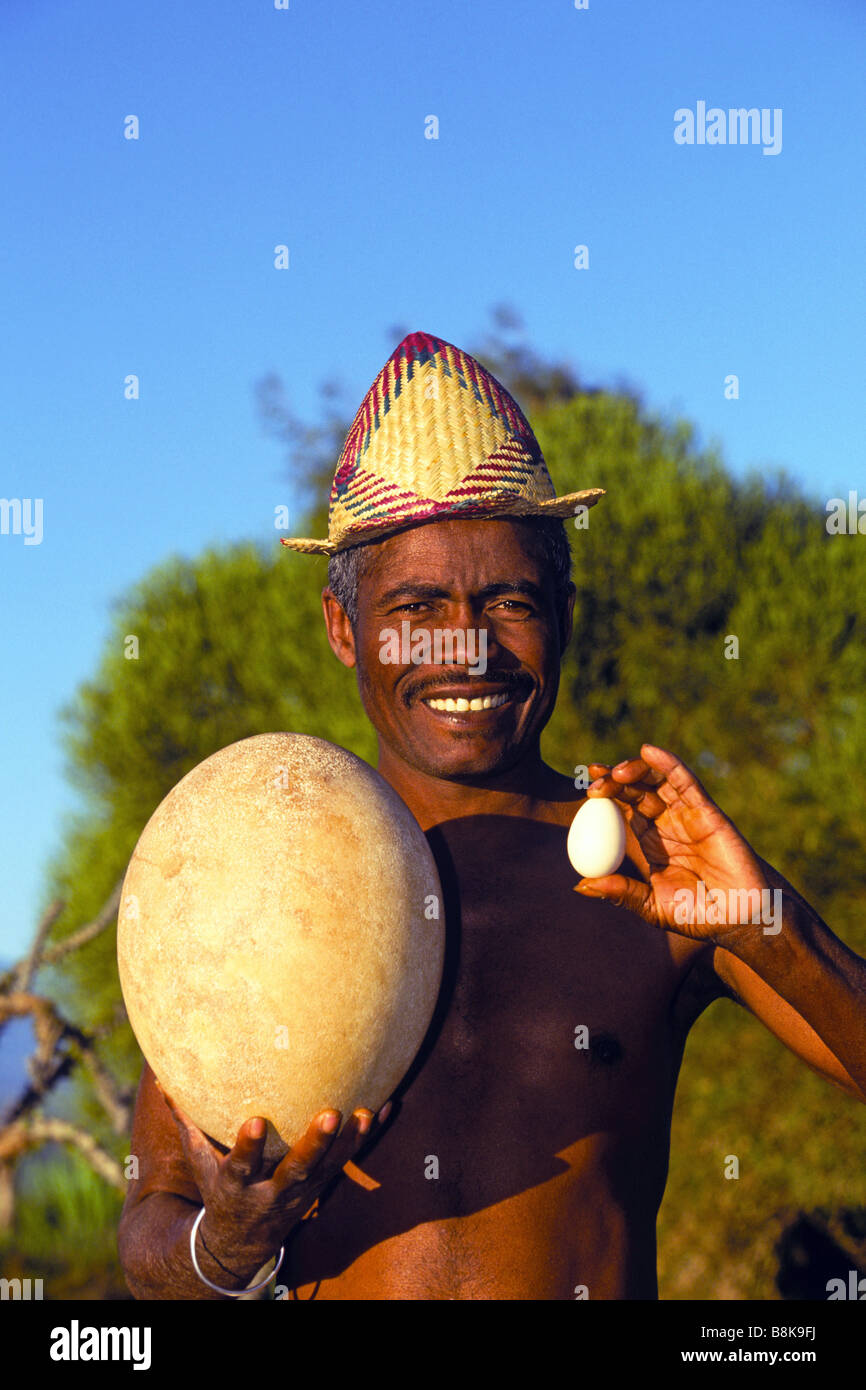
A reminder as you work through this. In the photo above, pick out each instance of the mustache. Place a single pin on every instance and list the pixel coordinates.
(511, 682)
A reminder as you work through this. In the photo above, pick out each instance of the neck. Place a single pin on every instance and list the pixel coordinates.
(432, 799)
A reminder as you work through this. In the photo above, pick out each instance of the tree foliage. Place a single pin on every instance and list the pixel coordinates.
(676, 559)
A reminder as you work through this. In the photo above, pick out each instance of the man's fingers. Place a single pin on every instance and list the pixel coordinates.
(200, 1153)
(637, 770)
(681, 778)
(183, 1122)
(655, 781)
(641, 795)
(323, 1155)
(354, 1135)
(243, 1163)
(303, 1156)
(621, 892)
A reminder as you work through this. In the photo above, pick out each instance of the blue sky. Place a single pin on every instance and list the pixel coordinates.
(306, 127)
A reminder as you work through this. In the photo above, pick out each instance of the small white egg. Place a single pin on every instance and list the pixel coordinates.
(596, 840)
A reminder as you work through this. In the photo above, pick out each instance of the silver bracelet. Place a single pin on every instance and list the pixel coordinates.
(230, 1293)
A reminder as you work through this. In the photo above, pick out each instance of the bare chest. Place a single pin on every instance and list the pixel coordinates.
(548, 997)
(556, 1019)
(539, 1103)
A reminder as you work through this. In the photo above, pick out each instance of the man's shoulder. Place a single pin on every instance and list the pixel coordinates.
(563, 799)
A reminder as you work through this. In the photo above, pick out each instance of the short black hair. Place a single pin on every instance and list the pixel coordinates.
(549, 546)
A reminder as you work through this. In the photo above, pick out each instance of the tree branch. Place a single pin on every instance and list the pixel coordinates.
(16, 1139)
(20, 975)
(49, 1062)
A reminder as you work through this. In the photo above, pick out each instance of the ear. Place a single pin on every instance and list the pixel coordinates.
(567, 619)
(339, 629)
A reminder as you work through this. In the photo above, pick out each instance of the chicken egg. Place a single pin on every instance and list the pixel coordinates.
(596, 840)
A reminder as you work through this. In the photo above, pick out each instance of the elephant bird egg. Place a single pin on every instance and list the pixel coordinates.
(280, 937)
(596, 840)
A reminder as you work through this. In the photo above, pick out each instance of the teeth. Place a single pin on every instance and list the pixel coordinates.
(459, 706)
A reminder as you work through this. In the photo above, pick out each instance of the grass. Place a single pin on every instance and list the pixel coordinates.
(799, 1142)
(65, 1229)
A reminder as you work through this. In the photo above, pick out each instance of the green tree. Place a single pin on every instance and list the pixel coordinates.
(676, 558)
(229, 645)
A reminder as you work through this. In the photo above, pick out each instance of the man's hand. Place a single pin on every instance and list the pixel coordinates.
(681, 837)
(251, 1207)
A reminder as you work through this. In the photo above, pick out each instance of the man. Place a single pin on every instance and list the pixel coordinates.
(526, 1153)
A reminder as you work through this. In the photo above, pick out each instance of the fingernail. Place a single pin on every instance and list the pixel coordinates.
(256, 1128)
(330, 1122)
(385, 1112)
(619, 767)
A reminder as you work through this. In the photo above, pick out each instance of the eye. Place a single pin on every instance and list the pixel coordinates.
(514, 605)
(408, 607)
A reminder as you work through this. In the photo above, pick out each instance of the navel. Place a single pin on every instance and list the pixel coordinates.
(605, 1049)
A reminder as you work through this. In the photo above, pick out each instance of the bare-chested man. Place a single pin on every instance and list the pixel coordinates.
(514, 1163)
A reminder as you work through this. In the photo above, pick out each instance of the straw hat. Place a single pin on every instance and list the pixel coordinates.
(436, 438)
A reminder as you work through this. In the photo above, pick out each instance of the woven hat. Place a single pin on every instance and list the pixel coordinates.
(436, 437)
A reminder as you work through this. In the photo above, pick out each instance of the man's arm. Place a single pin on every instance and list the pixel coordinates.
(160, 1208)
(251, 1207)
(805, 985)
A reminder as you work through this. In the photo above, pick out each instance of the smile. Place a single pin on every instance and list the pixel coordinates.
(461, 706)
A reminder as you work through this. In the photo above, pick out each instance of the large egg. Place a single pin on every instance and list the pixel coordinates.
(280, 937)
(596, 840)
